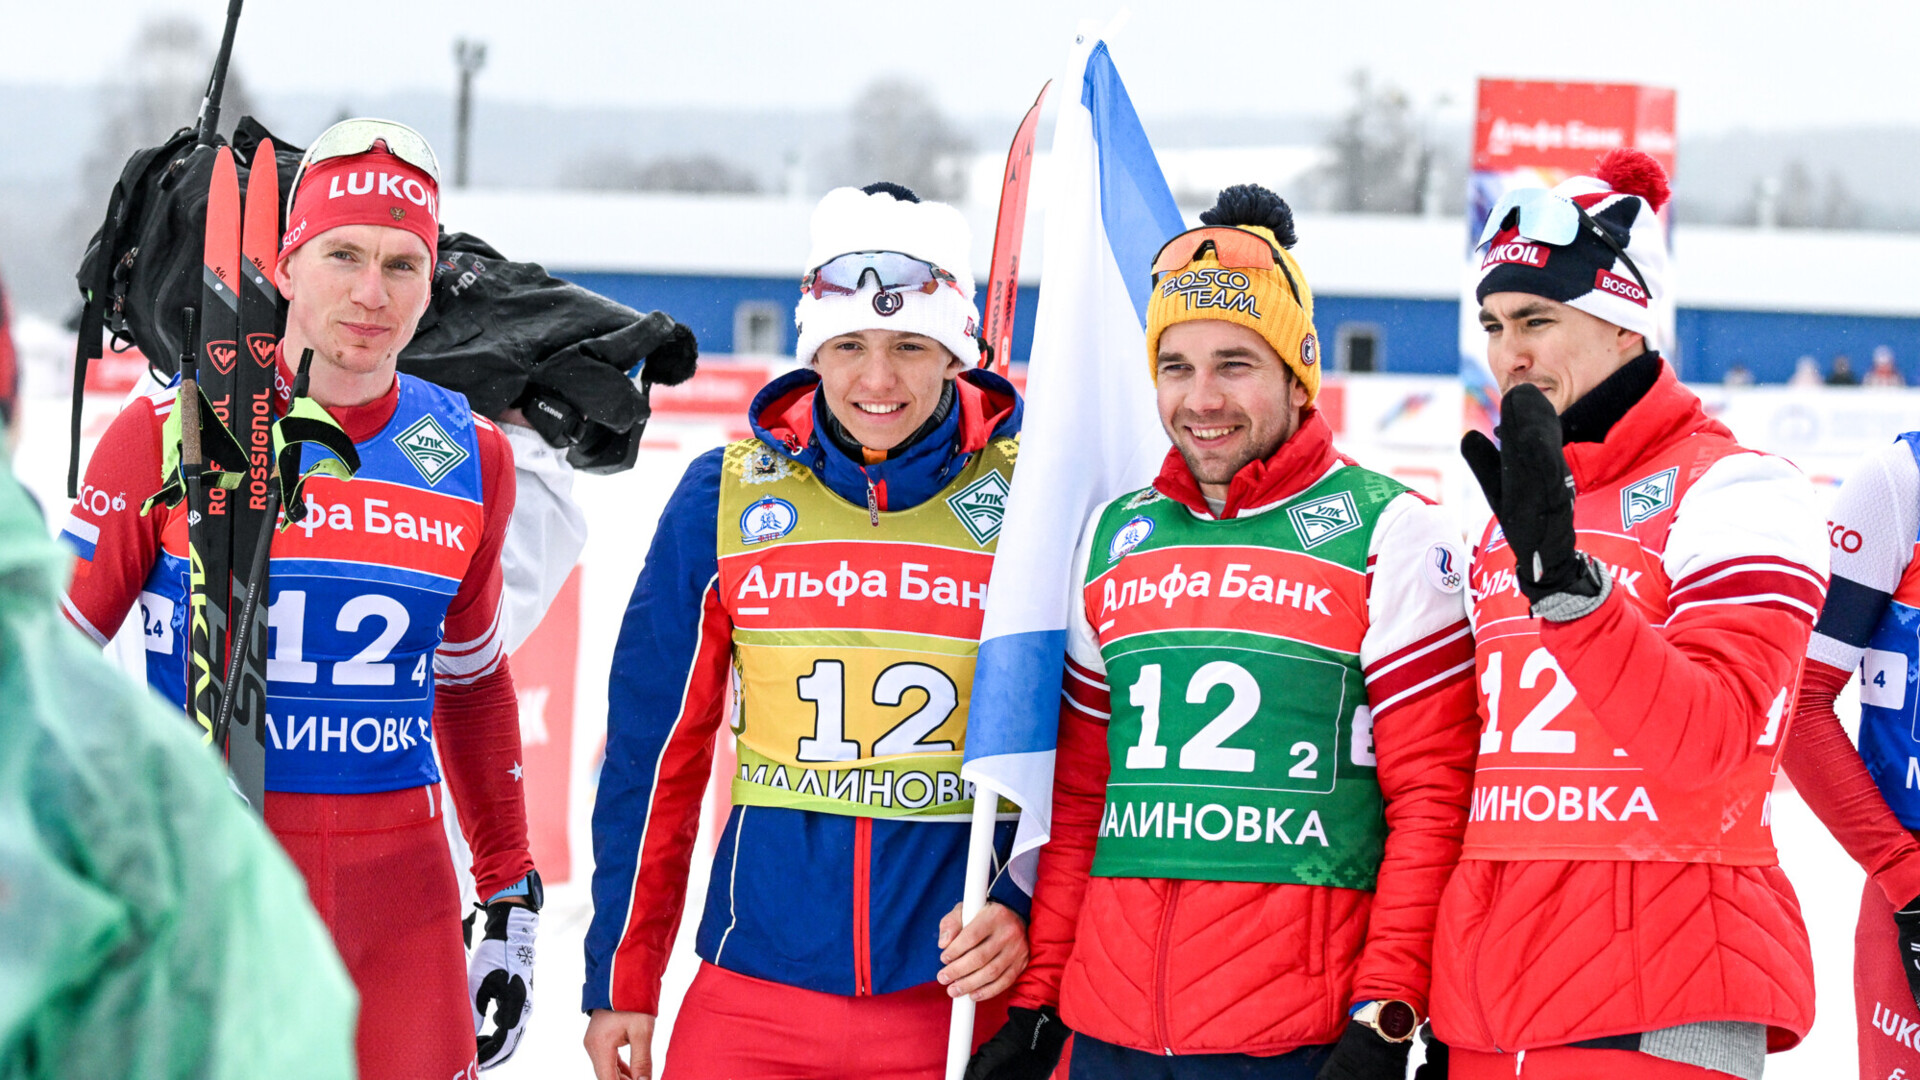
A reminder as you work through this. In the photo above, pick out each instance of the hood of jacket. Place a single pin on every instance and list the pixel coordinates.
(788, 412)
(1296, 465)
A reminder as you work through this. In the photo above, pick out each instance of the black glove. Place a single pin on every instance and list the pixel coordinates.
(1527, 483)
(1435, 1067)
(1362, 1054)
(1907, 919)
(1027, 1047)
(673, 362)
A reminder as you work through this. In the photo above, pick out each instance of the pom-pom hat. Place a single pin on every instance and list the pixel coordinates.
(1613, 266)
(889, 218)
(1251, 280)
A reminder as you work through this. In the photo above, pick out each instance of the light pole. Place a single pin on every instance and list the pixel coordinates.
(469, 57)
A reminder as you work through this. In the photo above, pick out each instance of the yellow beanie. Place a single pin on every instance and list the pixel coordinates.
(1259, 300)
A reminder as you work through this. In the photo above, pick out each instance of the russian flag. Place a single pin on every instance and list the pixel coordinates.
(1092, 432)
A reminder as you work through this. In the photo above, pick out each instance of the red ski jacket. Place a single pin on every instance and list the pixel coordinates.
(1674, 695)
(1198, 967)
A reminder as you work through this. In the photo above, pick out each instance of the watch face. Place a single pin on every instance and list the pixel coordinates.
(1396, 1021)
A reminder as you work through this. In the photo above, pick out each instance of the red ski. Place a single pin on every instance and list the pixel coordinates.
(210, 506)
(1003, 281)
(243, 710)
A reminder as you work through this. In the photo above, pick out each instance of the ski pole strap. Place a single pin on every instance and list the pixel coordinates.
(217, 446)
(85, 348)
(307, 422)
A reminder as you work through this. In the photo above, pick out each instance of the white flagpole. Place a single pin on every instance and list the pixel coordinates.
(986, 805)
(986, 802)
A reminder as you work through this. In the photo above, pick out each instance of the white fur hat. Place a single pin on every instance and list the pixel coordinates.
(877, 219)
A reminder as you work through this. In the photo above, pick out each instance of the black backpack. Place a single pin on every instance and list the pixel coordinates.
(505, 334)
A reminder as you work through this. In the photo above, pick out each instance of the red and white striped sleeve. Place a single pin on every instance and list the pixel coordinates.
(1417, 640)
(1417, 657)
(1693, 697)
(1748, 533)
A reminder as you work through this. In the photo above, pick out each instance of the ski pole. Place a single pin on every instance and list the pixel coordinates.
(193, 462)
(209, 119)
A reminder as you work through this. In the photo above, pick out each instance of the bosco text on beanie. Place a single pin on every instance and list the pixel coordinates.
(373, 188)
(888, 217)
(1623, 198)
(1275, 303)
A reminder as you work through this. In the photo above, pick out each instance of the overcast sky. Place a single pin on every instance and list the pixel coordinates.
(1763, 65)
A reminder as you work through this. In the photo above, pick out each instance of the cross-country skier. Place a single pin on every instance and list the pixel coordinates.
(1267, 723)
(1866, 796)
(1641, 603)
(833, 570)
(384, 612)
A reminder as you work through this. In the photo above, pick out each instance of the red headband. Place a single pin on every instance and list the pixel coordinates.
(374, 188)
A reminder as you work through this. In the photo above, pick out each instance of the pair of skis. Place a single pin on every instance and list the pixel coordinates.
(237, 465)
(225, 413)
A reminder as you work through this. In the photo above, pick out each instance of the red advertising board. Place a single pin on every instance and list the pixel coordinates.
(543, 679)
(1566, 126)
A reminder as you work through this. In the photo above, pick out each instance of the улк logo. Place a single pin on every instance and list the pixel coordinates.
(1641, 500)
(1323, 519)
(768, 519)
(430, 448)
(981, 506)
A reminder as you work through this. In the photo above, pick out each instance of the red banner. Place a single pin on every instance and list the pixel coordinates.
(1567, 126)
(543, 679)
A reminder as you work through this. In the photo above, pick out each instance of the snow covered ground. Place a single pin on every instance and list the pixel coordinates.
(621, 511)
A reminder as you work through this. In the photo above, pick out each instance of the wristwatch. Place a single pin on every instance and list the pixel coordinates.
(1394, 1020)
(528, 888)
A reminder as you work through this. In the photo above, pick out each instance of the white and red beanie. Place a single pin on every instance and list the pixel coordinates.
(374, 188)
(1623, 197)
(887, 217)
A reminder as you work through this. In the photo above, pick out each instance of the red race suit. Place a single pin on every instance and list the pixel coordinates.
(1618, 875)
(1233, 966)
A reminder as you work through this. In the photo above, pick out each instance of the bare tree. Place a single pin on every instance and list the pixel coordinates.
(899, 134)
(155, 92)
(158, 89)
(1793, 199)
(1381, 163)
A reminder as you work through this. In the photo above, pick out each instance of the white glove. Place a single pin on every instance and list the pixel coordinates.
(501, 975)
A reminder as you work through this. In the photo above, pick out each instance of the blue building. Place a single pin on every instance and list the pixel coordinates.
(1387, 288)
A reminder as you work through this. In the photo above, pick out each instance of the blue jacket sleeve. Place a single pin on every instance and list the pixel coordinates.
(665, 700)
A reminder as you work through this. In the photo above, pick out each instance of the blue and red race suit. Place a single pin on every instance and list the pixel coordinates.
(384, 641)
(821, 901)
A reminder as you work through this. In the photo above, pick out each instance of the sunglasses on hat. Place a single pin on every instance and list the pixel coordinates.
(1233, 249)
(1555, 220)
(350, 137)
(892, 271)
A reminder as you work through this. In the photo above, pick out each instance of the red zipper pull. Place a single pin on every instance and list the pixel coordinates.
(873, 501)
